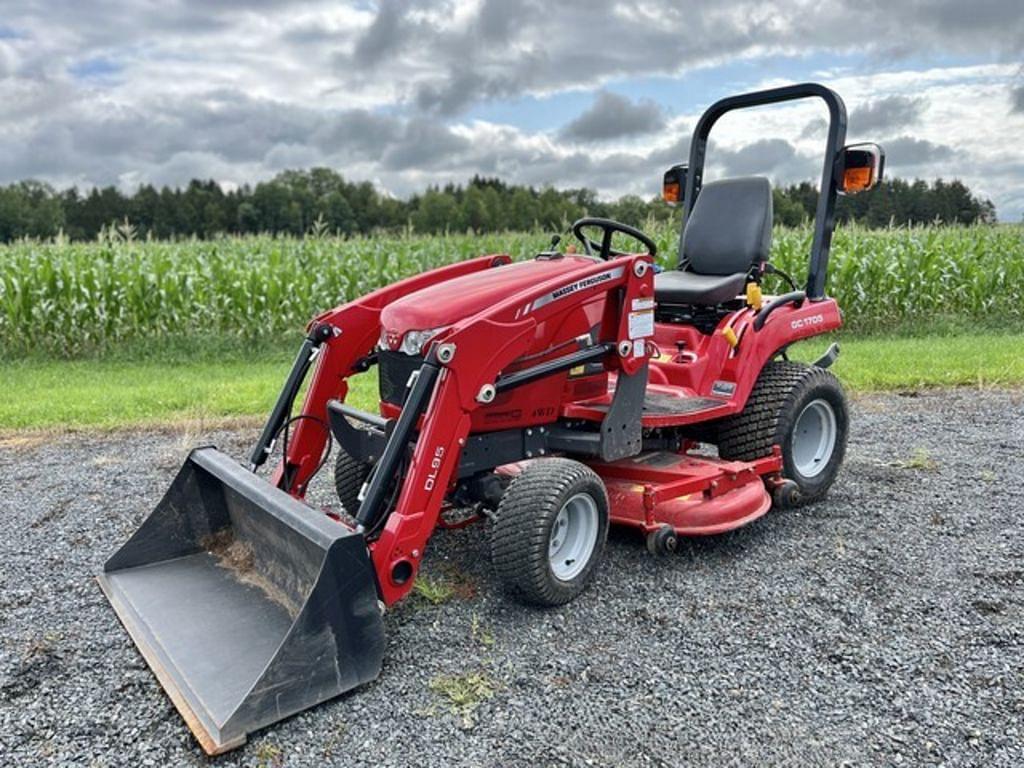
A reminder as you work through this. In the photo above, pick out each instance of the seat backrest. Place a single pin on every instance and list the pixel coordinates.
(730, 227)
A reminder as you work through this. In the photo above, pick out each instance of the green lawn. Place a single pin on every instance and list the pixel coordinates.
(105, 394)
(880, 363)
(179, 386)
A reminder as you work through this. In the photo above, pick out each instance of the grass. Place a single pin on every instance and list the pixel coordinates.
(434, 590)
(107, 394)
(269, 756)
(99, 335)
(464, 693)
(921, 460)
(884, 363)
(479, 632)
(178, 385)
(438, 589)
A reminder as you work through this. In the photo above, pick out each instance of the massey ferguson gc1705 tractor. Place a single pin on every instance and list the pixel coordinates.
(550, 397)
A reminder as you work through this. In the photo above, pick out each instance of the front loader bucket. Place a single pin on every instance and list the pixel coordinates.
(247, 605)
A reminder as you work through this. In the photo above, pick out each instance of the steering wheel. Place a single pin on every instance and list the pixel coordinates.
(609, 227)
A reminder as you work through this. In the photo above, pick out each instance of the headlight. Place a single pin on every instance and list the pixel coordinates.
(414, 341)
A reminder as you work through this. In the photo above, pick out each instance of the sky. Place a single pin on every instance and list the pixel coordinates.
(594, 93)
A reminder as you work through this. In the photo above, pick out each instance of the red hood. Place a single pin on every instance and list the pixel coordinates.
(442, 304)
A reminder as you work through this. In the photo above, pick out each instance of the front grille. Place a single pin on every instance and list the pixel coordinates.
(395, 369)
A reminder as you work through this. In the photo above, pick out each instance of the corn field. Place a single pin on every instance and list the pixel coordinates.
(68, 298)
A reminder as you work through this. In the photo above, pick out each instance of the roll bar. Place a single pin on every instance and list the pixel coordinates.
(824, 218)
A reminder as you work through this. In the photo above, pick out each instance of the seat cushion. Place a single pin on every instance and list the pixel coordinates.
(678, 287)
(730, 227)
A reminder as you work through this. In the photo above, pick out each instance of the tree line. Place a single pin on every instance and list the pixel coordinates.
(320, 199)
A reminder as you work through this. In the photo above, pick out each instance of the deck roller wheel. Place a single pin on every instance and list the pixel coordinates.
(662, 541)
(549, 531)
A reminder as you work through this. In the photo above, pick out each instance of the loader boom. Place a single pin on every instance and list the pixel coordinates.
(353, 332)
(436, 418)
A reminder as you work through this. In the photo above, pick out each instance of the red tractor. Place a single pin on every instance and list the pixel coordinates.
(552, 397)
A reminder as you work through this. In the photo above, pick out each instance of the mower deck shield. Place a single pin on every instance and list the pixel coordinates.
(696, 495)
(247, 605)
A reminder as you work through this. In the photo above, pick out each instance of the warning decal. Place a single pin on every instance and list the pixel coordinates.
(641, 324)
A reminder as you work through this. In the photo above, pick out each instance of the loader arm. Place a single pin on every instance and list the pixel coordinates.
(474, 351)
(347, 334)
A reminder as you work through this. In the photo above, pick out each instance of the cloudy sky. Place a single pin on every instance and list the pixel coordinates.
(598, 93)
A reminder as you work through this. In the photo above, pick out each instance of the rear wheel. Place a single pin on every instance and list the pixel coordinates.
(349, 476)
(549, 531)
(802, 409)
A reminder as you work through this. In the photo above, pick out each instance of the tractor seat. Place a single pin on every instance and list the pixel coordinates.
(728, 233)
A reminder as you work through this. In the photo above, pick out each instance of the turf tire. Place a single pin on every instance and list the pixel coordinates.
(349, 476)
(521, 531)
(780, 395)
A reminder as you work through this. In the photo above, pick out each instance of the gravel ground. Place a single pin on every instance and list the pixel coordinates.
(883, 626)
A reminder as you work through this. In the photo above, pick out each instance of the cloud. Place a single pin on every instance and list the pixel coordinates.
(907, 152)
(359, 131)
(498, 19)
(454, 95)
(676, 152)
(775, 158)
(395, 91)
(452, 54)
(425, 144)
(385, 34)
(890, 112)
(815, 128)
(1017, 98)
(612, 116)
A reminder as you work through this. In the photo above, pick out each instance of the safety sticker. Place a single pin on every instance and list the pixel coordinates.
(641, 324)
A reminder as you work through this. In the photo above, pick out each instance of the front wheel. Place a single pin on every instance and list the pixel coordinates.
(549, 531)
(802, 409)
(349, 476)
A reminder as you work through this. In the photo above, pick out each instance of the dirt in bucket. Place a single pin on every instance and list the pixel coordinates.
(237, 557)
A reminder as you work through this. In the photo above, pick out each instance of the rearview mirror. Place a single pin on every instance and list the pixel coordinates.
(673, 184)
(860, 168)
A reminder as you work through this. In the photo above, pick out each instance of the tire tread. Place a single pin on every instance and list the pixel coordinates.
(519, 533)
(349, 476)
(768, 418)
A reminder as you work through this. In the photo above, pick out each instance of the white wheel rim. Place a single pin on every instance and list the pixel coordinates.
(814, 438)
(573, 537)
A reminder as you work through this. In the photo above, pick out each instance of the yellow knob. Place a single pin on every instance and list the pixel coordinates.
(754, 297)
(730, 336)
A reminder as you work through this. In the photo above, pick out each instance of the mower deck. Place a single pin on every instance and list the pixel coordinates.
(695, 495)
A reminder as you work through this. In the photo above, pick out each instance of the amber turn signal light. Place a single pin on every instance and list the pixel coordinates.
(862, 166)
(673, 183)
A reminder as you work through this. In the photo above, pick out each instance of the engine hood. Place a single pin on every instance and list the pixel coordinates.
(445, 303)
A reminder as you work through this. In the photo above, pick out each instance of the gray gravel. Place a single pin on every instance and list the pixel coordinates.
(881, 627)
